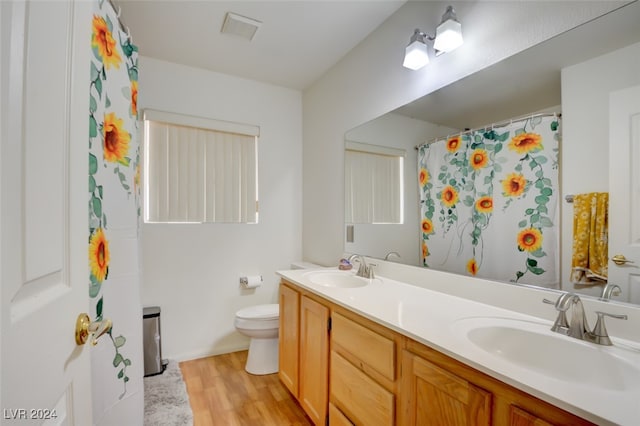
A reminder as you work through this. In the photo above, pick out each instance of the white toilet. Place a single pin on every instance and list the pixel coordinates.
(260, 323)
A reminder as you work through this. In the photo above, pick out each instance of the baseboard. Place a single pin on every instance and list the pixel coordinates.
(188, 356)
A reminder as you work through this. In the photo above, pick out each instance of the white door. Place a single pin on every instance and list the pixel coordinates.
(44, 93)
(624, 191)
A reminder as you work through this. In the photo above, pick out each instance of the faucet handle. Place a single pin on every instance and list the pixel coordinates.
(561, 322)
(606, 314)
(560, 304)
(600, 334)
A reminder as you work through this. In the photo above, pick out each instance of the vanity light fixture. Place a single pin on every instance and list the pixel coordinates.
(415, 54)
(448, 37)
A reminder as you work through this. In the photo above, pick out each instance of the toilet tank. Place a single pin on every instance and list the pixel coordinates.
(304, 265)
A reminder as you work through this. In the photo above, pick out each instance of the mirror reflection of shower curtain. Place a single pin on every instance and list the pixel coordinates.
(489, 202)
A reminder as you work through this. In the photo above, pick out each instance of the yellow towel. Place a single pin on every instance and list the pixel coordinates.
(590, 238)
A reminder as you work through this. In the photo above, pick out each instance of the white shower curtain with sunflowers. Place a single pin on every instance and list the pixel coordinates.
(489, 202)
(114, 212)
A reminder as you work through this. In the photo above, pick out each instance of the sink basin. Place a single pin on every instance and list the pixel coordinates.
(333, 278)
(534, 347)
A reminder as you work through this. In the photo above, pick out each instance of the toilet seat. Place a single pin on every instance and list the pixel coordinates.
(260, 312)
(259, 317)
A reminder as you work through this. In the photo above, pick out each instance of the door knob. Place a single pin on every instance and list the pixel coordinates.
(619, 259)
(85, 327)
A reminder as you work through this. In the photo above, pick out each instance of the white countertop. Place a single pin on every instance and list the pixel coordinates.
(432, 318)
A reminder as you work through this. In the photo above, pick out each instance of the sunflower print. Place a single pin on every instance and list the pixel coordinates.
(529, 239)
(427, 226)
(134, 98)
(525, 143)
(116, 139)
(453, 144)
(484, 204)
(99, 255)
(449, 196)
(103, 40)
(479, 159)
(425, 250)
(514, 185)
(423, 176)
(472, 267)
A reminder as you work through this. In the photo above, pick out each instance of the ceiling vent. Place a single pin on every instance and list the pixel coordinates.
(240, 26)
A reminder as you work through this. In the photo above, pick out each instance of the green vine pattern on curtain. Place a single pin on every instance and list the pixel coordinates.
(112, 147)
(488, 201)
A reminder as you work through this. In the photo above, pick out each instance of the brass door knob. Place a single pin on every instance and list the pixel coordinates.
(619, 259)
(85, 327)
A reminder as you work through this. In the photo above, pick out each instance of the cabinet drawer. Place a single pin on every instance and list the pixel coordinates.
(375, 350)
(336, 418)
(362, 399)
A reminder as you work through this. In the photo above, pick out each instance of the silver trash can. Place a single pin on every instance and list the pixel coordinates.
(151, 341)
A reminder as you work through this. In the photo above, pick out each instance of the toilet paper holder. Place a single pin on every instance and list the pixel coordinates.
(251, 281)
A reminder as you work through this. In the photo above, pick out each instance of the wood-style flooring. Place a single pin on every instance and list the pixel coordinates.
(222, 393)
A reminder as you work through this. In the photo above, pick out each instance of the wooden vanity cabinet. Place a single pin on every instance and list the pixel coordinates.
(358, 372)
(304, 350)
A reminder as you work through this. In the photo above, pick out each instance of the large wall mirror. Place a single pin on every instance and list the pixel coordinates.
(572, 74)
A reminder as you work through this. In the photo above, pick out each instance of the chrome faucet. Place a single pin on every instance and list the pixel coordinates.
(392, 253)
(364, 270)
(578, 327)
(610, 290)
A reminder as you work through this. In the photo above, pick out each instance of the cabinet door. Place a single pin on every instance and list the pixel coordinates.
(314, 359)
(518, 417)
(289, 335)
(434, 396)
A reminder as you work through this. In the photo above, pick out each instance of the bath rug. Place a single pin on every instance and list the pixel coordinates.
(166, 401)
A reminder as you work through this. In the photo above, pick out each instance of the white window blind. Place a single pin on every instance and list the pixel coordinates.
(373, 184)
(198, 174)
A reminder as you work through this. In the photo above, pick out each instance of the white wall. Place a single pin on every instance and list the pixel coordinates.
(585, 132)
(397, 131)
(371, 81)
(192, 271)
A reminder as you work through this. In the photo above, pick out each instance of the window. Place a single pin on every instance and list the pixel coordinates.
(199, 170)
(373, 184)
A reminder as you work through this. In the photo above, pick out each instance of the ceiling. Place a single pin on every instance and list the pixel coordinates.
(298, 41)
